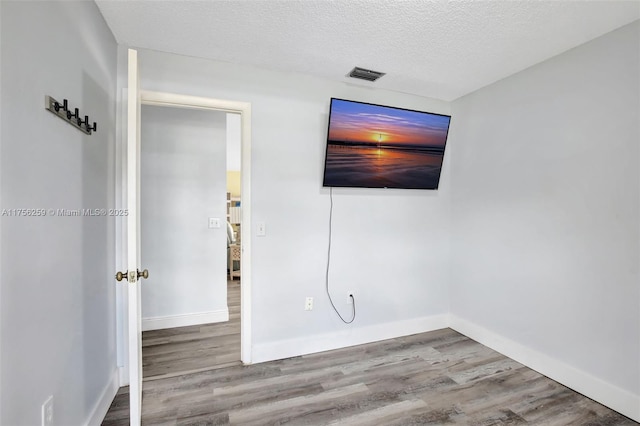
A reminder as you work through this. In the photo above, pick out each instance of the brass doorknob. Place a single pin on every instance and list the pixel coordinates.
(120, 276)
(144, 274)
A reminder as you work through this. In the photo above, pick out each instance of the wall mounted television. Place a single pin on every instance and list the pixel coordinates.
(375, 146)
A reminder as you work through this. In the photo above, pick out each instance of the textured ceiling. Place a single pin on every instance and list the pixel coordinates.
(436, 49)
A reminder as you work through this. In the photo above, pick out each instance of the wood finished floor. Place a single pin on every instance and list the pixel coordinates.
(182, 350)
(435, 378)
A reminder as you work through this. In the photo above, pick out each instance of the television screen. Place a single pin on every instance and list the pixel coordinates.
(374, 146)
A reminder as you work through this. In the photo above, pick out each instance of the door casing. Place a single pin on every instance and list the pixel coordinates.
(174, 100)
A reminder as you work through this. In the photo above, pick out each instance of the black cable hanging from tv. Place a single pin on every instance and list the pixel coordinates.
(353, 299)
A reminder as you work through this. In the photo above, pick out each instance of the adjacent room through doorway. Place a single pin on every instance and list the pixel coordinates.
(190, 180)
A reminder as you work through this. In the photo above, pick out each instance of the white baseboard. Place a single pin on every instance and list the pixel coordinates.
(262, 352)
(104, 402)
(605, 393)
(171, 321)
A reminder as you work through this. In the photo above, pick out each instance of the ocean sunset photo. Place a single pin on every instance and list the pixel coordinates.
(375, 146)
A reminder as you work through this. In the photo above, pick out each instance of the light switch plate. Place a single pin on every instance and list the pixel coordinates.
(262, 229)
(214, 222)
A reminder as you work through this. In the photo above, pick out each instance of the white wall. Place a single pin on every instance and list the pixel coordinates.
(57, 290)
(545, 207)
(233, 142)
(1, 221)
(390, 247)
(183, 183)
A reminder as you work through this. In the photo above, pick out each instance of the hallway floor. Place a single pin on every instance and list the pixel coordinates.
(182, 350)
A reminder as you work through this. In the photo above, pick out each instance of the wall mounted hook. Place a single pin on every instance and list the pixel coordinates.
(87, 126)
(70, 115)
(63, 111)
(57, 105)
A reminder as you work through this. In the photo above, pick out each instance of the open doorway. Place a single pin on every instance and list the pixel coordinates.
(129, 331)
(190, 306)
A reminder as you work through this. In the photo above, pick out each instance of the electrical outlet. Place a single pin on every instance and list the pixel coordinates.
(349, 298)
(47, 412)
(308, 304)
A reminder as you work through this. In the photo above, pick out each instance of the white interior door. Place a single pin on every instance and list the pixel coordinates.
(133, 241)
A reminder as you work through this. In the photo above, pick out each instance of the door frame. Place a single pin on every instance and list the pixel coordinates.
(175, 100)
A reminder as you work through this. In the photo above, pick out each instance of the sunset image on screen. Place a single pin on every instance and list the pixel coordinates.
(366, 123)
(377, 146)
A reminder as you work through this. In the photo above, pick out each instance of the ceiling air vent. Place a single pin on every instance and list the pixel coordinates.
(364, 74)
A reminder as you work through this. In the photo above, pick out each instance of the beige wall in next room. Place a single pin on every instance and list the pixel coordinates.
(233, 183)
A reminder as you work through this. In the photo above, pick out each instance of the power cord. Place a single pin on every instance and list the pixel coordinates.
(353, 299)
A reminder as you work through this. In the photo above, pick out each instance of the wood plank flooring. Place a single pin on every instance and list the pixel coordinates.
(182, 350)
(435, 378)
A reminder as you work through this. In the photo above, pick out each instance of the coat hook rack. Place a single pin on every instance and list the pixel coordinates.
(63, 111)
